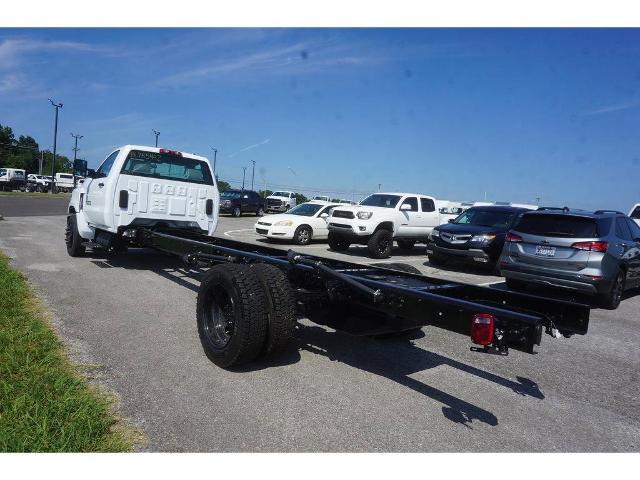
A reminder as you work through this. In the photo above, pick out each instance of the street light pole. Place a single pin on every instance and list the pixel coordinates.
(253, 172)
(75, 156)
(57, 106)
(157, 134)
(244, 171)
(215, 157)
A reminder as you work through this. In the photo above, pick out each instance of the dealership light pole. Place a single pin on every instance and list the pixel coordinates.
(215, 157)
(244, 171)
(75, 156)
(253, 172)
(57, 106)
(157, 134)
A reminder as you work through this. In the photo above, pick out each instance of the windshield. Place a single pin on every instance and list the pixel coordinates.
(380, 200)
(306, 209)
(280, 194)
(230, 194)
(486, 218)
(165, 166)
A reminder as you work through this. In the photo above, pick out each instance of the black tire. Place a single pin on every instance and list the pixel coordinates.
(72, 237)
(436, 260)
(282, 307)
(303, 235)
(232, 315)
(611, 299)
(516, 285)
(237, 211)
(380, 244)
(338, 243)
(406, 244)
(260, 212)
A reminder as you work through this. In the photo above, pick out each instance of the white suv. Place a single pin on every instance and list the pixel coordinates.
(382, 218)
(281, 201)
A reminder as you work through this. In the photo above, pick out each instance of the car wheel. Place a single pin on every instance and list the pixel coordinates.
(236, 212)
(338, 243)
(406, 244)
(302, 235)
(380, 244)
(436, 260)
(72, 238)
(611, 299)
(260, 212)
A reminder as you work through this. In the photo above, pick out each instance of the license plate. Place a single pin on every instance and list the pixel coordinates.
(545, 251)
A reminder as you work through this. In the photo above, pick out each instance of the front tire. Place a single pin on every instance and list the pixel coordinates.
(72, 237)
(232, 315)
(236, 212)
(436, 260)
(406, 245)
(611, 299)
(380, 244)
(338, 243)
(260, 212)
(303, 235)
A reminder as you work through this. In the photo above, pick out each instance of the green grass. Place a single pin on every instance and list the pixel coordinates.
(45, 404)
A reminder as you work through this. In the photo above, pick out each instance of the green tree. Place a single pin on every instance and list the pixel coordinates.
(63, 164)
(7, 140)
(264, 193)
(300, 198)
(223, 186)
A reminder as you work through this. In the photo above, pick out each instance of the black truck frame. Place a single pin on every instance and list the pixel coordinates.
(250, 298)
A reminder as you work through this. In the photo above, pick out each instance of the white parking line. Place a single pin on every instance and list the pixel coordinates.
(229, 233)
(491, 283)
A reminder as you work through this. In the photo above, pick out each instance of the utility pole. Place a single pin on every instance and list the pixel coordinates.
(244, 171)
(379, 185)
(215, 157)
(41, 162)
(57, 106)
(157, 134)
(253, 172)
(75, 156)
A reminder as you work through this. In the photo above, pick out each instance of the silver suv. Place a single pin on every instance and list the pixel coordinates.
(596, 253)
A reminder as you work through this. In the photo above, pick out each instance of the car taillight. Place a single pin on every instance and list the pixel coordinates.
(482, 328)
(512, 237)
(591, 246)
(175, 153)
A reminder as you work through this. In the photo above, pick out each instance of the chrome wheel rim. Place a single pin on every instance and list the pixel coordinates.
(219, 324)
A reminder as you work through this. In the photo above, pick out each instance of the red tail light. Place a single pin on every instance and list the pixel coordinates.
(482, 328)
(175, 153)
(512, 237)
(591, 246)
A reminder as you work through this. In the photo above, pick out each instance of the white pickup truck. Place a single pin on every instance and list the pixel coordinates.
(281, 201)
(382, 218)
(635, 213)
(139, 186)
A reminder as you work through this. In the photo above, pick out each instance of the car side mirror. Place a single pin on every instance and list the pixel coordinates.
(451, 220)
(91, 173)
(405, 206)
(324, 215)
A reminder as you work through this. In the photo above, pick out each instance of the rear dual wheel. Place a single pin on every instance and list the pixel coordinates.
(244, 312)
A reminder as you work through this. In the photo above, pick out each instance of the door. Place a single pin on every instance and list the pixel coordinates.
(95, 200)
(430, 215)
(321, 225)
(410, 218)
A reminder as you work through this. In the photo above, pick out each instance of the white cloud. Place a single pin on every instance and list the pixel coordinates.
(12, 49)
(614, 107)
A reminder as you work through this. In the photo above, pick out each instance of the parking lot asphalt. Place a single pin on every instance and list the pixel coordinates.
(132, 319)
(40, 204)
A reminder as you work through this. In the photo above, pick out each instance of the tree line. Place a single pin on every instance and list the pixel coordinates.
(24, 152)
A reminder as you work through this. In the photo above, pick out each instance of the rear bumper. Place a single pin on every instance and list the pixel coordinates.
(470, 254)
(574, 282)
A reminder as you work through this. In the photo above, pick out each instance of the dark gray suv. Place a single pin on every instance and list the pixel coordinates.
(596, 253)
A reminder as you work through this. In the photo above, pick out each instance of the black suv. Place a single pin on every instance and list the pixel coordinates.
(476, 235)
(237, 202)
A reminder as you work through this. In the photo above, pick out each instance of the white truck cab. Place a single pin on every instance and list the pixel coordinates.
(140, 186)
(382, 218)
(281, 201)
(12, 178)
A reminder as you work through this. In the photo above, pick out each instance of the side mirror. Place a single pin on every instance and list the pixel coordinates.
(324, 215)
(405, 206)
(91, 173)
(451, 220)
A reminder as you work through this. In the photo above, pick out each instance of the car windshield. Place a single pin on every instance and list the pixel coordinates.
(230, 194)
(636, 213)
(306, 209)
(165, 166)
(280, 194)
(486, 218)
(381, 200)
(558, 226)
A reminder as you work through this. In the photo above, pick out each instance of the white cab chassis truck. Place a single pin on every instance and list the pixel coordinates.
(281, 201)
(139, 186)
(12, 179)
(382, 218)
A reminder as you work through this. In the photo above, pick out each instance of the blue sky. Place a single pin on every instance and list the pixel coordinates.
(455, 113)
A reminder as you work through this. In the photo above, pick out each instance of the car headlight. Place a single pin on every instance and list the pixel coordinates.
(283, 223)
(435, 233)
(483, 238)
(364, 215)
